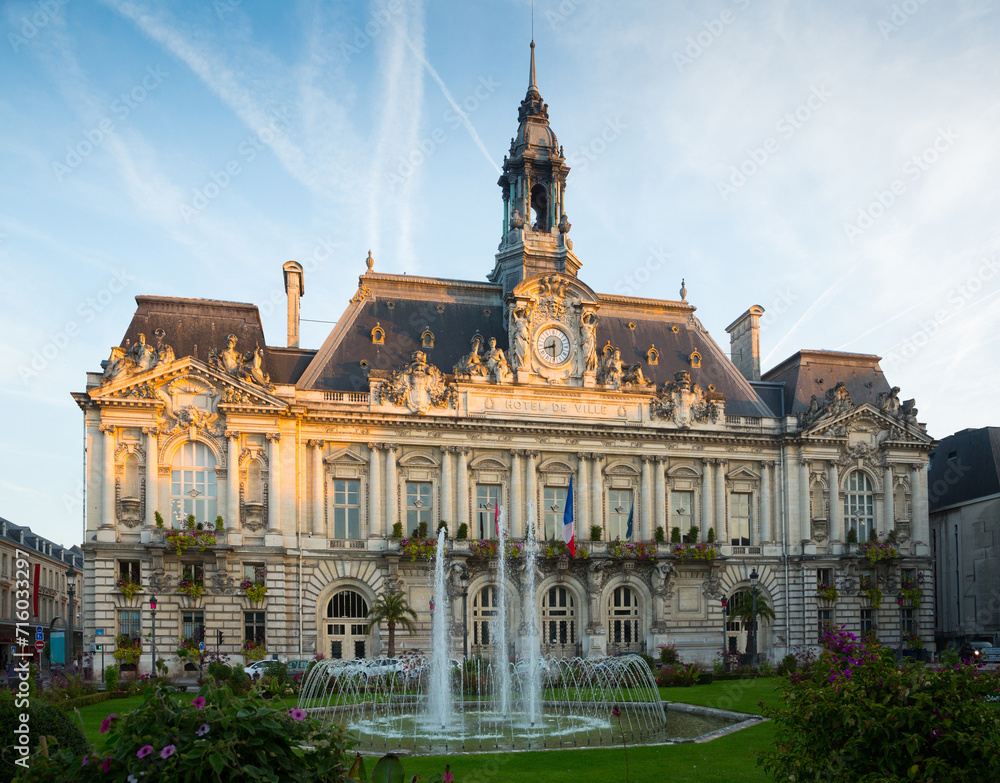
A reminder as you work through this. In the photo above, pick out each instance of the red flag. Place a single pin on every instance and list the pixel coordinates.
(496, 516)
(38, 579)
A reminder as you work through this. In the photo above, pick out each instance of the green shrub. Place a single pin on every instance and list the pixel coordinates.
(236, 739)
(595, 532)
(669, 655)
(442, 525)
(659, 536)
(675, 535)
(678, 676)
(397, 530)
(693, 534)
(711, 535)
(44, 720)
(422, 530)
(704, 677)
(788, 665)
(111, 677)
(463, 532)
(857, 715)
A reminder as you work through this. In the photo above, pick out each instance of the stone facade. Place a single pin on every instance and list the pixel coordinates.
(435, 400)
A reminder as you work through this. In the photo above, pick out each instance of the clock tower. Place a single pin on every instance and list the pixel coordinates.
(535, 237)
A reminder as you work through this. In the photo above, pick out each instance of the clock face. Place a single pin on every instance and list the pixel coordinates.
(552, 345)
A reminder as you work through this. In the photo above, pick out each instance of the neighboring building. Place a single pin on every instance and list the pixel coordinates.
(53, 561)
(964, 495)
(434, 400)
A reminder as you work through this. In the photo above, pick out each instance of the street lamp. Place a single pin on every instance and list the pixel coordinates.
(900, 598)
(464, 577)
(152, 612)
(753, 616)
(70, 591)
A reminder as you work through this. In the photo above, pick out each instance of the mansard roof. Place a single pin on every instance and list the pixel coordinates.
(810, 372)
(25, 536)
(964, 466)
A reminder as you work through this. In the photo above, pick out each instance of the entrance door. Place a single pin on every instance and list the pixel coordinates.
(346, 631)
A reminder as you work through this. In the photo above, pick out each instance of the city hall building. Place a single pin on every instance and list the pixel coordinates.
(432, 401)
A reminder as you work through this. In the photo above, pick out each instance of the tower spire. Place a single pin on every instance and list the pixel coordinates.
(532, 84)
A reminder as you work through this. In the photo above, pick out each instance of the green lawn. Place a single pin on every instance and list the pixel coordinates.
(736, 695)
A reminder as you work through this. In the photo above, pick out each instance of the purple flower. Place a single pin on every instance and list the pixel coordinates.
(144, 751)
(84, 762)
(168, 751)
(198, 702)
(106, 723)
(297, 714)
(106, 764)
(202, 730)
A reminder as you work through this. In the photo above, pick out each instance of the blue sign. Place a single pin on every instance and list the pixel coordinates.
(201, 646)
(57, 647)
(98, 632)
(39, 635)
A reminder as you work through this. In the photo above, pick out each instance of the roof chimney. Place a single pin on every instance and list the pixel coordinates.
(744, 342)
(295, 289)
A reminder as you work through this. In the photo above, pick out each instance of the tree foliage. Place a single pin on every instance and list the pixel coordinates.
(394, 609)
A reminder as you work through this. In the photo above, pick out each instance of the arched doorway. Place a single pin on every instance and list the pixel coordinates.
(740, 625)
(559, 623)
(623, 621)
(346, 627)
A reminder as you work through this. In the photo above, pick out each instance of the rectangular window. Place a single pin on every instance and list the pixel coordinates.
(347, 507)
(554, 499)
(867, 621)
(194, 573)
(487, 498)
(739, 519)
(193, 625)
(682, 510)
(825, 618)
(418, 506)
(908, 625)
(619, 508)
(823, 576)
(130, 622)
(4, 564)
(253, 627)
(336, 650)
(255, 572)
(128, 570)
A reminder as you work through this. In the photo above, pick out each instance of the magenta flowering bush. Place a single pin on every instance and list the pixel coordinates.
(217, 737)
(628, 550)
(858, 715)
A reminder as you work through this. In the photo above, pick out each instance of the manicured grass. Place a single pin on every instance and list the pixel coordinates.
(736, 695)
(92, 715)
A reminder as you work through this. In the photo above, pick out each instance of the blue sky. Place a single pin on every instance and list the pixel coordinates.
(833, 162)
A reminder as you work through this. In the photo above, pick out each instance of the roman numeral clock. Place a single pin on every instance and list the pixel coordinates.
(552, 346)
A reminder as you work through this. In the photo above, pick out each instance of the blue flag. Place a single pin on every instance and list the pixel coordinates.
(628, 531)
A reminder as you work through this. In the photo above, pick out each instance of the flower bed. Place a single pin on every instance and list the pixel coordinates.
(627, 550)
(127, 648)
(871, 590)
(197, 534)
(489, 548)
(191, 589)
(827, 592)
(912, 591)
(254, 591)
(877, 551)
(253, 651)
(555, 550)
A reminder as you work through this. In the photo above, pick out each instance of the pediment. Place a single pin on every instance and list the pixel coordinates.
(186, 383)
(487, 463)
(743, 472)
(555, 466)
(345, 456)
(867, 426)
(418, 459)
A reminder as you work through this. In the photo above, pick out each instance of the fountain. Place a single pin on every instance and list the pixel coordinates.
(532, 703)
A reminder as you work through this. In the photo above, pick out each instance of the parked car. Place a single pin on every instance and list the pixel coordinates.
(384, 666)
(298, 666)
(256, 669)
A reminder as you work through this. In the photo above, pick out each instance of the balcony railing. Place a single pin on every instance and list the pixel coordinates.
(626, 647)
(358, 397)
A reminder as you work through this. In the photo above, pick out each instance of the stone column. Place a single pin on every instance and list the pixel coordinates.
(916, 504)
(108, 516)
(596, 496)
(765, 501)
(448, 490)
(516, 523)
(925, 522)
(645, 501)
(375, 526)
(836, 513)
(721, 524)
(790, 476)
(581, 505)
(319, 487)
(233, 480)
(152, 477)
(888, 513)
(391, 491)
(659, 498)
(463, 489)
(706, 501)
(274, 491)
(531, 486)
(803, 527)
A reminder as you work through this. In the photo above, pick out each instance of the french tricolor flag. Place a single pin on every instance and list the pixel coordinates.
(568, 536)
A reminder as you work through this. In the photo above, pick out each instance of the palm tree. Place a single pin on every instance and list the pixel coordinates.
(393, 608)
(741, 608)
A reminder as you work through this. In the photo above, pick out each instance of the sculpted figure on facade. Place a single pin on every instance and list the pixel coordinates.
(552, 297)
(143, 355)
(836, 401)
(419, 386)
(496, 363)
(227, 360)
(519, 338)
(611, 370)
(138, 358)
(632, 376)
(471, 365)
(248, 368)
(588, 341)
(685, 403)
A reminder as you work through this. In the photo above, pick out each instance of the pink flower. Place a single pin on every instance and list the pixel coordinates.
(106, 723)
(448, 778)
(297, 714)
(84, 762)
(144, 751)
(168, 751)
(106, 764)
(198, 702)
(203, 730)
(615, 711)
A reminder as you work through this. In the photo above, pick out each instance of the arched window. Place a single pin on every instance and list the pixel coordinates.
(192, 485)
(485, 605)
(346, 625)
(130, 485)
(255, 488)
(859, 505)
(623, 621)
(558, 623)
(540, 206)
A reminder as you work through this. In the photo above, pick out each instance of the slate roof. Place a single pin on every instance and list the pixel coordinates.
(964, 466)
(813, 372)
(24, 536)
